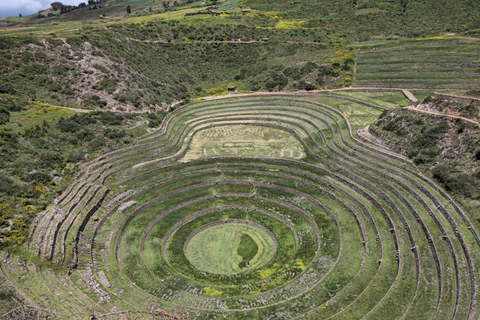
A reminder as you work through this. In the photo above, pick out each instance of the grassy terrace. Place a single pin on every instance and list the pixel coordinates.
(427, 63)
(210, 216)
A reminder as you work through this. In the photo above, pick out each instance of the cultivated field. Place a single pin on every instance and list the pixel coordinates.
(211, 217)
(431, 63)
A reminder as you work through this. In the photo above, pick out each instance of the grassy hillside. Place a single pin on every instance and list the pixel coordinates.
(439, 62)
(447, 149)
(357, 20)
(40, 148)
(137, 66)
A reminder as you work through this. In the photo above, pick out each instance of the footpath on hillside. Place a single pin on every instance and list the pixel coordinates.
(415, 108)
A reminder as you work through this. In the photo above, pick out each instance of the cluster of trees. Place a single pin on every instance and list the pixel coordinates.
(64, 8)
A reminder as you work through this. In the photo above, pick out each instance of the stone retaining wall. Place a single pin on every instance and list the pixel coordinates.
(467, 100)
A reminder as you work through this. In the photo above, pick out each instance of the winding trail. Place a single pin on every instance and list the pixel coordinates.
(414, 108)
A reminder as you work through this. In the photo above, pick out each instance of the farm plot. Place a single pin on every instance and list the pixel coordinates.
(448, 64)
(349, 230)
(246, 141)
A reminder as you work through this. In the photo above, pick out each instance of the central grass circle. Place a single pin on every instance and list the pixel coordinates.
(230, 247)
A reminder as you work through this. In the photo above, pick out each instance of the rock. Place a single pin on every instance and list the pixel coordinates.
(95, 218)
(57, 179)
(103, 279)
(126, 205)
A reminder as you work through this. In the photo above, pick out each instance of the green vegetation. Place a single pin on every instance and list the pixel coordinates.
(226, 249)
(247, 249)
(40, 148)
(157, 200)
(437, 62)
(443, 147)
(107, 72)
(364, 231)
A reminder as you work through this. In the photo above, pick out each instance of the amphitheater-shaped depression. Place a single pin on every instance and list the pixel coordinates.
(266, 208)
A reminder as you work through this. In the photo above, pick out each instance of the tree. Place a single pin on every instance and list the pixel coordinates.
(20, 15)
(56, 5)
(129, 9)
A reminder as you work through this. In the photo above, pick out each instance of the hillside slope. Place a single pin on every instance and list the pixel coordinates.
(445, 148)
(124, 68)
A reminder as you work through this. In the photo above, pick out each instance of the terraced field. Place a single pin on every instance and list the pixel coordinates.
(425, 64)
(333, 228)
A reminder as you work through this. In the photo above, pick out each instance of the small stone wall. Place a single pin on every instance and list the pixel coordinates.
(467, 100)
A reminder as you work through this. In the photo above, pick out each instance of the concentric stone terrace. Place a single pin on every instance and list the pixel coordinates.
(212, 216)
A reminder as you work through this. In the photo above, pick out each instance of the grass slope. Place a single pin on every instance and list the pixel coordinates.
(247, 249)
(422, 63)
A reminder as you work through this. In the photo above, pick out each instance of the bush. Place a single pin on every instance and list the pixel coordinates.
(114, 134)
(477, 155)
(454, 181)
(39, 177)
(68, 125)
(108, 117)
(94, 101)
(85, 135)
(4, 115)
(97, 143)
(13, 106)
(470, 111)
(7, 185)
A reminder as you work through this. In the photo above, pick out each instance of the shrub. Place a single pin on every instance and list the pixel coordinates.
(108, 117)
(114, 134)
(60, 70)
(7, 185)
(477, 155)
(470, 111)
(455, 181)
(97, 143)
(94, 101)
(68, 125)
(4, 115)
(85, 135)
(39, 177)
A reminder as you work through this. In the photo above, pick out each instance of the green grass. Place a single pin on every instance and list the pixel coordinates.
(424, 53)
(225, 249)
(247, 249)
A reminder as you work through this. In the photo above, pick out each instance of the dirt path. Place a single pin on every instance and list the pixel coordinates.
(219, 41)
(257, 93)
(73, 109)
(409, 96)
(441, 114)
(300, 92)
